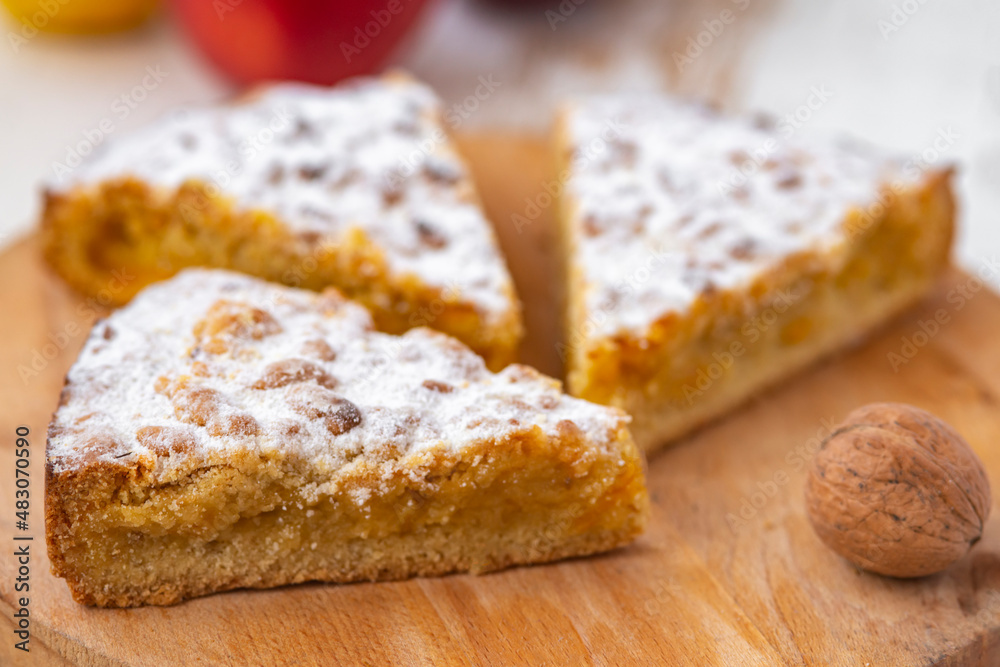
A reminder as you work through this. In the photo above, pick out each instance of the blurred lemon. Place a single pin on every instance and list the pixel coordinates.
(81, 16)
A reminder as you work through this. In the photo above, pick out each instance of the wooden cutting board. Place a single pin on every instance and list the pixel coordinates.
(706, 585)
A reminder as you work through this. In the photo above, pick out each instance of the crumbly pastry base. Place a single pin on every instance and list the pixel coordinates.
(669, 379)
(126, 234)
(250, 522)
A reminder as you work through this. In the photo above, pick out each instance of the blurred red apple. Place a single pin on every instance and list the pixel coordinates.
(319, 41)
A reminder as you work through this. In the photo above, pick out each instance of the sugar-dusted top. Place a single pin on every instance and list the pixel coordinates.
(371, 153)
(213, 363)
(674, 200)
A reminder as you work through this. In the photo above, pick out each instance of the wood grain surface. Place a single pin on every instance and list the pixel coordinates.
(729, 573)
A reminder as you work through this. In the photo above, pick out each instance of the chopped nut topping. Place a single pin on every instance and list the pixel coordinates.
(441, 171)
(196, 405)
(276, 175)
(439, 387)
(286, 427)
(391, 195)
(320, 349)
(238, 424)
(303, 129)
(288, 371)
(166, 440)
(430, 236)
(567, 429)
(203, 406)
(315, 402)
(226, 319)
(743, 250)
(710, 231)
(789, 180)
(312, 173)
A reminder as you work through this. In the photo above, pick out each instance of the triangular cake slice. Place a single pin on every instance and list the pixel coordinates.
(709, 257)
(356, 186)
(222, 432)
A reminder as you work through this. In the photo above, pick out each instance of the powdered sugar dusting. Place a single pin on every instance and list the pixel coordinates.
(672, 200)
(213, 363)
(370, 154)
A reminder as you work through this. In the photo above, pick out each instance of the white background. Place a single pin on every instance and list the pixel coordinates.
(939, 71)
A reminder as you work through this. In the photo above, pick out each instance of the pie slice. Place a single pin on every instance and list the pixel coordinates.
(356, 187)
(222, 432)
(710, 257)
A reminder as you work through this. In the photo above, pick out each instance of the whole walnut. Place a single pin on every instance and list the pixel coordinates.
(897, 491)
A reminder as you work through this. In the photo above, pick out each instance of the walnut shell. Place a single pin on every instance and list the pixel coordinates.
(897, 491)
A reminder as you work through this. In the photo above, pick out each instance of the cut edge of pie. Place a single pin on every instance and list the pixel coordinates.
(688, 367)
(139, 210)
(607, 509)
(225, 463)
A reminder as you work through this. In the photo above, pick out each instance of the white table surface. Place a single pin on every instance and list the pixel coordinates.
(938, 73)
